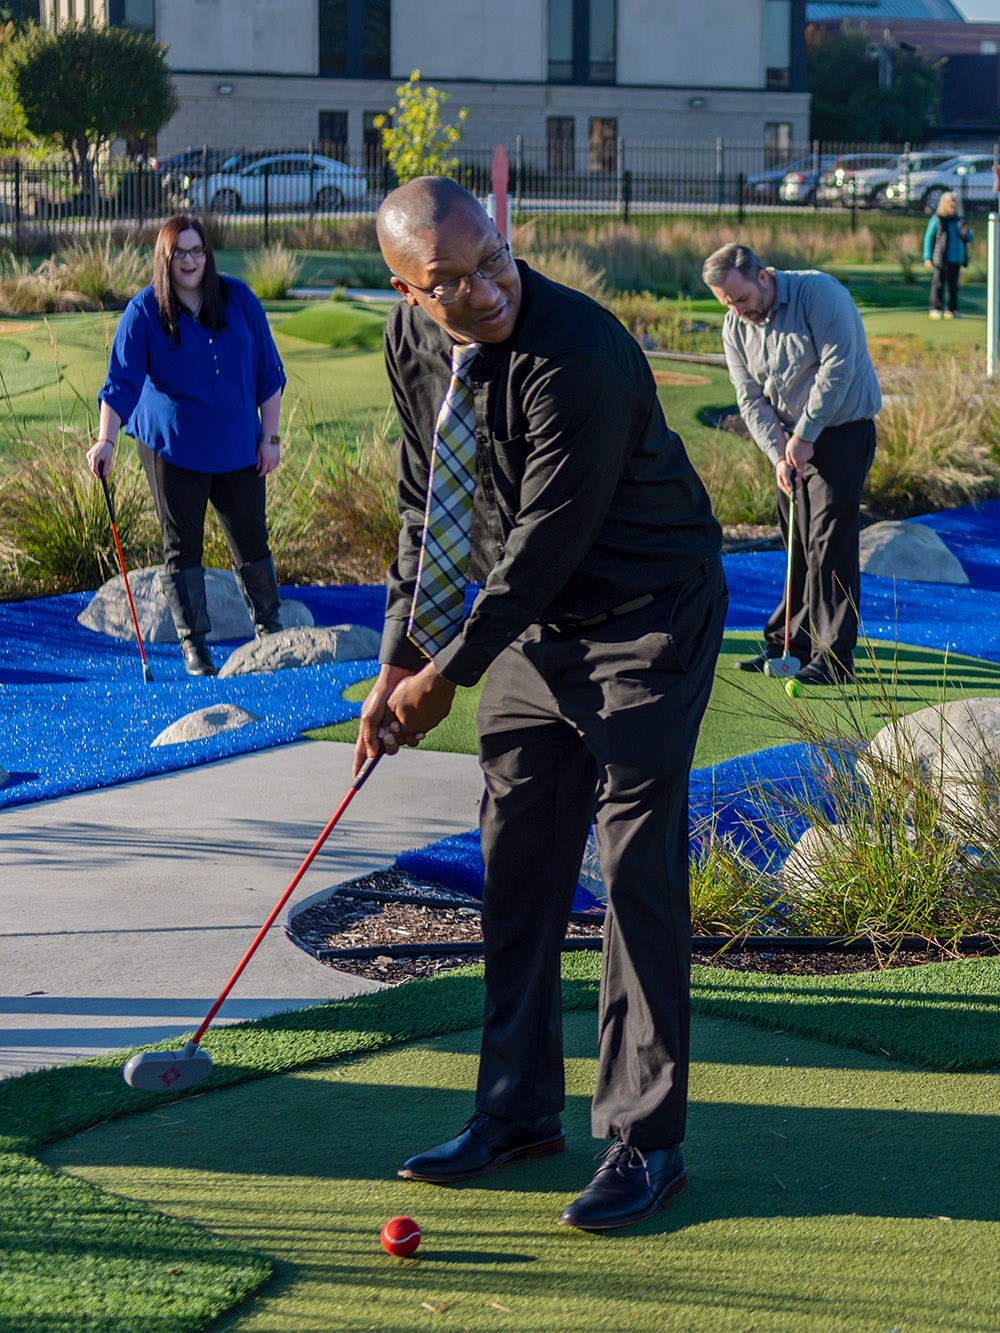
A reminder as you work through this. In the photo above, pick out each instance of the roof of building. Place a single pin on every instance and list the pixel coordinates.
(940, 10)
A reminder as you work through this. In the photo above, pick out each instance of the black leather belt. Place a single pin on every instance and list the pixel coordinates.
(590, 622)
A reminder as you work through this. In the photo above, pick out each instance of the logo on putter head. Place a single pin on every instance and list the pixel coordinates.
(170, 1075)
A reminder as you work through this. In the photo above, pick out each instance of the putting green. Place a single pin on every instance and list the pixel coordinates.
(830, 1190)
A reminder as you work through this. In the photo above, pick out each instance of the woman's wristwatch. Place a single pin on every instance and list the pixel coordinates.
(271, 439)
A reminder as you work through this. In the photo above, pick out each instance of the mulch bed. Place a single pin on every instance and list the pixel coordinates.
(388, 908)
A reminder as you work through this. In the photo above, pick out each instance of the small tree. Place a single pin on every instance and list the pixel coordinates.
(83, 86)
(848, 101)
(413, 135)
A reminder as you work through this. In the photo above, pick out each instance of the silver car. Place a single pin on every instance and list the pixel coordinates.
(281, 180)
(874, 188)
(969, 175)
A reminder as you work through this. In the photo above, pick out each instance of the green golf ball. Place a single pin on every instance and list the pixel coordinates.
(792, 688)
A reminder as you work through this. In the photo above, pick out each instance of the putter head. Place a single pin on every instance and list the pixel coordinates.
(147, 673)
(782, 667)
(168, 1071)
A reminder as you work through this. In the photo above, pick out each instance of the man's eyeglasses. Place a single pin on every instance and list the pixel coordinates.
(195, 252)
(445, 293)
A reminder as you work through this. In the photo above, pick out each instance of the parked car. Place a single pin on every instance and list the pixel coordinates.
(833, 182)
(868, 188)
(969, 175)
(174, 172)
(290, 180)
(763, 187)
(799, 183)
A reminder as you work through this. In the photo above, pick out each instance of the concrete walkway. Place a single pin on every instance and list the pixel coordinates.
(124, 911)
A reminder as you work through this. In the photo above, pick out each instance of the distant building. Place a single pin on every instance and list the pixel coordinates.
(276, 73)
(969, 52)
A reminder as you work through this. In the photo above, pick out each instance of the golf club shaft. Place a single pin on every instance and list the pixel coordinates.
(121, 562)
(788, 567)
(356, 786)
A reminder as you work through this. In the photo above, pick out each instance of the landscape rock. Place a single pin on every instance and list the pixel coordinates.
(304, 646)
(908, 551)
(802, 874)
(205, 722)
(954, 748)
(107, 612)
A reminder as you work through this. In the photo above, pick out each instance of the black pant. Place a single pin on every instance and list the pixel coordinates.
(826, 576)
(945, 275)
(180, 497)
(600, 724)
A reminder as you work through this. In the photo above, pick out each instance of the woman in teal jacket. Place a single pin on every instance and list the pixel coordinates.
(946, 251)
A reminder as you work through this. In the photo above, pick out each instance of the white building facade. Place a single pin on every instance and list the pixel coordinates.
(283, 73)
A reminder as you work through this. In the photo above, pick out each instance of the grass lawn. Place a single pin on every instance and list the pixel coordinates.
(748, 712)
(834, 1185)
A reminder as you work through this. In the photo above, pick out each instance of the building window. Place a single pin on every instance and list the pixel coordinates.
(603, 144)
(333, 133)
(375, 161)
(778, 43)
(353, 38)
(778, 136)
(582, 38)
(136, 15)
(560, 133)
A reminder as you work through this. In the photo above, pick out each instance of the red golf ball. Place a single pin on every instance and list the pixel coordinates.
(400, 1236)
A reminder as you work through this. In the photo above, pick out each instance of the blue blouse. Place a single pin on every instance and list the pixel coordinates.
(195, 402)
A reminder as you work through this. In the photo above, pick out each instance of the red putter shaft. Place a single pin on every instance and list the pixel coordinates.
(355, 787)
(121, 562)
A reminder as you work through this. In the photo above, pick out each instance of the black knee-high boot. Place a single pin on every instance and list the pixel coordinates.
(188, 602)
(259, 585)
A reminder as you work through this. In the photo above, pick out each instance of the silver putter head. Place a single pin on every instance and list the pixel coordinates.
(782, 667)
(147, 673)
(168, 1071)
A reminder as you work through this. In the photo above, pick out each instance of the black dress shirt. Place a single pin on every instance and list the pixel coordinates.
(585, 499)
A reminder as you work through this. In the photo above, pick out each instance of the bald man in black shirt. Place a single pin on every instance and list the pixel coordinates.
(597, 627)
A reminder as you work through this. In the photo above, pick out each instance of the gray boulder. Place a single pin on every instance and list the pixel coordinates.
(205, 722)
(953, 748)
(107, 612)
(303, 647)
(908, 551)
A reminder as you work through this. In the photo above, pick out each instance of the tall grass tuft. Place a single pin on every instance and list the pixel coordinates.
(938, 437)
(272, 272)
(105, 272)
(56, 532)
(26, 289)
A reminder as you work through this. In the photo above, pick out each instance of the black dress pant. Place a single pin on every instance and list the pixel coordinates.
(826, 575)
(574, 727)
(181, 496)
(945, 276)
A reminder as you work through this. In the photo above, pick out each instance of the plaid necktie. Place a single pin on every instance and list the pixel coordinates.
(439, 592)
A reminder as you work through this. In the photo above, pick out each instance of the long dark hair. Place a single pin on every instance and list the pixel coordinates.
(213, 295)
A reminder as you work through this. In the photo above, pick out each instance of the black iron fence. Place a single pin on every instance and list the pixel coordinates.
(617, 177)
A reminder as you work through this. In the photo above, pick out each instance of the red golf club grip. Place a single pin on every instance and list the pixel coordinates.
(355, 787)
(121, 561)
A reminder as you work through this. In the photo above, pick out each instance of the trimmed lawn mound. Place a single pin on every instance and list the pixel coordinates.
(337, 324)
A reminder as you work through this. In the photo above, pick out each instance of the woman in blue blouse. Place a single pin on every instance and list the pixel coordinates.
(946, 251)
(195, 377)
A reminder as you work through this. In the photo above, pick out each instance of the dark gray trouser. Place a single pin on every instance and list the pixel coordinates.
(572, 727)
(181, 496)
(826, 575)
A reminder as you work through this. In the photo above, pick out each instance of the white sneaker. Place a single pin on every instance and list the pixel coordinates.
(949, 314)
(934, 314)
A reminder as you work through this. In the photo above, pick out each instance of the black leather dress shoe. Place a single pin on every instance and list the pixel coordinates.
(754, 663)
(823, 673)
(485, 1143)
(630, 1184)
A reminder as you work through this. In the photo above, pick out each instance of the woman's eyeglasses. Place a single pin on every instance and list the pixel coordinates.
(195, 252)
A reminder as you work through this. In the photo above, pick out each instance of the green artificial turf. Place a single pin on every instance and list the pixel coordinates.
(831, 1189)
(338, 324)
(749, 712)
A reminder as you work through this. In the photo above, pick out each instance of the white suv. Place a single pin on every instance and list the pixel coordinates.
(969, 175)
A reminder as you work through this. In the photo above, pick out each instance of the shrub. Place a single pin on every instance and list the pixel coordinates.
(106, 272)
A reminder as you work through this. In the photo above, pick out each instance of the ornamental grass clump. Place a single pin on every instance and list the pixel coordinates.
(272, 272)
(56, 532)
(105, 272)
